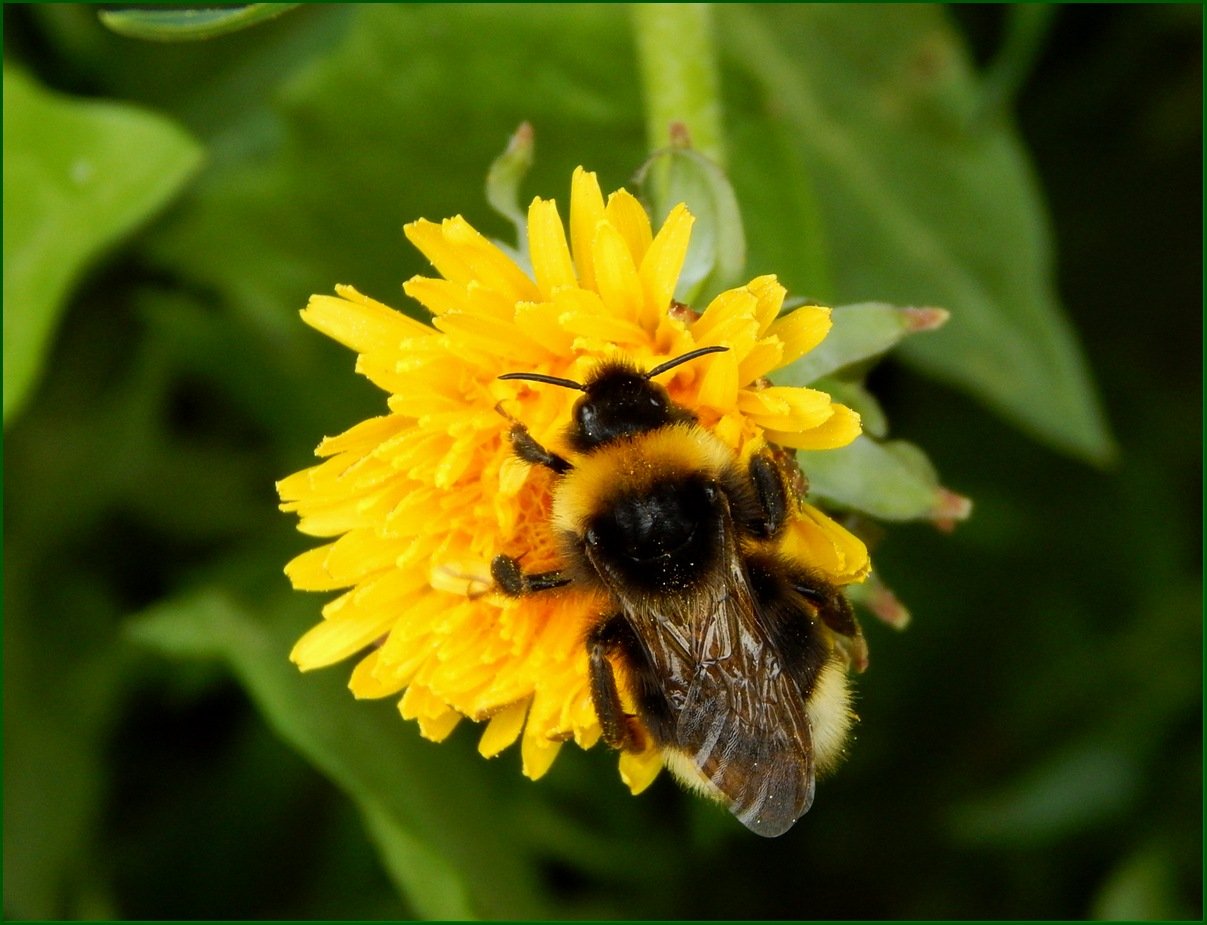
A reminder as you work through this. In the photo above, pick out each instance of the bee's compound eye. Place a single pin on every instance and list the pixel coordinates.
(711, 491)
(591, 537)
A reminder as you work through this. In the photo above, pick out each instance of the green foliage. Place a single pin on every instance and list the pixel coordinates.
(77, 177)
(1030, 747)
(429, 844)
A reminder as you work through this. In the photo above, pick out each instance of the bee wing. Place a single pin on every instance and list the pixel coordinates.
(743, 721)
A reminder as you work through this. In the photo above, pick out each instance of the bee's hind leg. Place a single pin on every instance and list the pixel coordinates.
(770, 494)
(620, 729)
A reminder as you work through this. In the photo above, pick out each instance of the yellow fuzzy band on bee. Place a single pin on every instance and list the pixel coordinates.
(633, 465)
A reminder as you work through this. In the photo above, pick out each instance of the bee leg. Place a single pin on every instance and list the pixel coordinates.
(832, 606)
(771, 495)
(532, 452)
(514, 582)
(620, 729)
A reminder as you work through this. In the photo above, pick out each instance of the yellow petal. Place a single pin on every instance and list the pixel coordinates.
(439, 728)
(502, 339)
(586, 212)
(308, 572)
(663, 260)
(503, 729)
(539, 321)
(367, 683)
(360, 324)
(728, 321)
(826, 545)
(537, 754)
(584, 315)
(616, 277)
(547, 248)
(638, 771)
(769, 295)
(801, 330)
(334, 640)
(762, 358)
(627, 215)
(462, 256)
(788, 408)
(838, 430)
(366, 435)
(719, 385)
(437, 295)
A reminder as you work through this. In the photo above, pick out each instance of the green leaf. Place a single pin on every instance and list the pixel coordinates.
(1084, 785)
(441, 837)
(875, 104)
(328, 205)
(62, 682)
(893, 480)
(1027, 27)
(1141, 888)
(77, 178)
(180, 23)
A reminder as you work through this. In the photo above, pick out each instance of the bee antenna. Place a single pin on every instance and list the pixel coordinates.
(671, 364)
(549, 380)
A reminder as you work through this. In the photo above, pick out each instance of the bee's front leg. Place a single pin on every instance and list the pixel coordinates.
(515, 582)
(532, 452)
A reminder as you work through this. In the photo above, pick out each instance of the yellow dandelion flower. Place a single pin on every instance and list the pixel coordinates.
(415, 504)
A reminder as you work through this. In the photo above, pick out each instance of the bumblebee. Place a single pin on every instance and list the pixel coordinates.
(724, 643)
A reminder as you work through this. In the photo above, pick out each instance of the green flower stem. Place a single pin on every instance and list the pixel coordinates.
(678, 60)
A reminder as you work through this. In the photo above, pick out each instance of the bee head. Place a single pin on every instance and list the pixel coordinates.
(619, 401)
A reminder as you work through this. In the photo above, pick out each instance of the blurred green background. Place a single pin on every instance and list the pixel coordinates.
(1030, 747)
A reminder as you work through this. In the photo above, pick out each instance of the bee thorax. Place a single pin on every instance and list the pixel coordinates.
(661, 539)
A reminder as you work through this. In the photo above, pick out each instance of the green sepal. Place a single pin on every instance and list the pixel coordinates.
(855, 395)
(716, 255)
(503, 180)
(891, 480)
(861, 332)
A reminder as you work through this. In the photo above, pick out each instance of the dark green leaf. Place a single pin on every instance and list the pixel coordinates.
(330, 206)
(440, 837)
(1084, 785)
(874, 104)
(77, 178)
